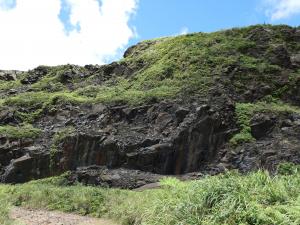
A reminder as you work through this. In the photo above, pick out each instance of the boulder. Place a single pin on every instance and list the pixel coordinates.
(19, 170)
(7, 116)
(295, 59)
(8, 75)
(261, 125)
(279, 55)
(118, 178)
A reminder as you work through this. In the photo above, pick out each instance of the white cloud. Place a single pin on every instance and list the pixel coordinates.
(32, 33)
(183, 31)
(281, 9)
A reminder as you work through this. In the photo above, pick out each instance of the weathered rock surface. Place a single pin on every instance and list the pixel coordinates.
(8, 75)
(120, 178)
(152, 138)
(277, 142)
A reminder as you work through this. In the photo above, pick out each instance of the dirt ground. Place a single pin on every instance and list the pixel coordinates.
(41, 217)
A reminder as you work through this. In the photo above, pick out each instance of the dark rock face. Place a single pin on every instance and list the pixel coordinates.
(125, 146)
(280, 56)
(296, 59)
(8, 117)
(261, 125)
(278, 142)
(18, 170)
(260, 35)
(120, 178)
(295, 92)
(22, 160)
(35, 75)
(267, 154)
(8, 75)
(162, 138)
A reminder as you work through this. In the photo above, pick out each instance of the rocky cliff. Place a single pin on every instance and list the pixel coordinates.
(202, 102)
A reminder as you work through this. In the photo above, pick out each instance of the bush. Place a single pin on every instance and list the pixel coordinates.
(23, 131)
(288, 169)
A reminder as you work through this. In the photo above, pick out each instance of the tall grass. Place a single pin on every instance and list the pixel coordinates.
(231, 198)
(4, 206)
(227, 199)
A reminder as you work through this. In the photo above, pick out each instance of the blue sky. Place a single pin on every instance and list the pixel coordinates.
(155, 18)
(55, 32)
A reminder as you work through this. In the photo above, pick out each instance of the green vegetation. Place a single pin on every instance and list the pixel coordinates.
(23, 131)
(49, 84)
(231, 198)
(161, 68)
(287, 168)
(37, 102)
(42, 99)
(245, 111)
(6, 85)
(4, 206)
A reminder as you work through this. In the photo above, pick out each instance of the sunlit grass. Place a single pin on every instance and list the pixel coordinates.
(231, 198)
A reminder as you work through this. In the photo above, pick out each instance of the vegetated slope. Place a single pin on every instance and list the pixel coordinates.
(198, 102)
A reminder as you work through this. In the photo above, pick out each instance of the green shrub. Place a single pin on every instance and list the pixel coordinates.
(23, 131)
(288, 169)
(6, 85)
(5, 205)
(244, 113)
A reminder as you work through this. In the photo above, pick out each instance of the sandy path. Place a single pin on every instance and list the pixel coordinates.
(42, 217)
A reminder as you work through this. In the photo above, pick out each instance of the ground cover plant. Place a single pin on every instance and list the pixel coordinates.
(230, 198)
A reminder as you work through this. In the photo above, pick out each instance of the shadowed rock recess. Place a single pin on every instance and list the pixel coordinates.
(202, 102)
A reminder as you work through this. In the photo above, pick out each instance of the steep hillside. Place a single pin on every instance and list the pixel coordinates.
(193, 103)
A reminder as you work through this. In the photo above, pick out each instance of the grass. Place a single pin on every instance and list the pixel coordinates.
(161, 69)
(244, 112)
(42, 99)
(6, 85)
(5, 205)
(19, 132)
(38, 102)
(231, 198)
